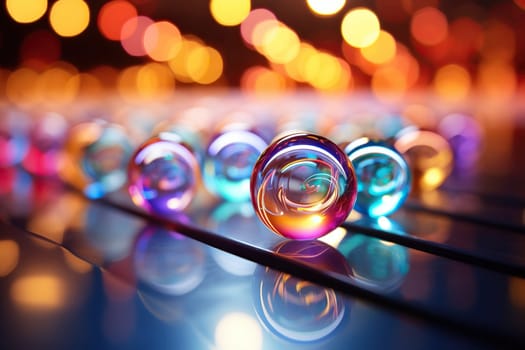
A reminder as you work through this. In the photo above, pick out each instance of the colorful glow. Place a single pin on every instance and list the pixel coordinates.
(26, 11)
(303, 186)
(9, 257)
(254, 18)
(261, 80)
(360, 27)
(452, 82)
(162, 41)
(383, 177)
(45, 292)
(382, 51)
(429, 26)
(132, 35)
(230, 12)
(204, 65)
(280, 44)
(229, 162)
(238, 331)
(69, 18)
(112, 16)
(325, 7)
(163, 174)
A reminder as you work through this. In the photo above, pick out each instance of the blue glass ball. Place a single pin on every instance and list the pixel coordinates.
(229, 161)
(383, 177)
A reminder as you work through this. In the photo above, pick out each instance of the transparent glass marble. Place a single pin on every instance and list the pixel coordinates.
(383, 177)
(96, 157)
(168, 262)
(303, 186)
(299, 310)
(46, 139)
(229, 161)
(429, 156)
(163, 174)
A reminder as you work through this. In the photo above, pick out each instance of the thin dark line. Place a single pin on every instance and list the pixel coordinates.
(439, 249)
(504, 226)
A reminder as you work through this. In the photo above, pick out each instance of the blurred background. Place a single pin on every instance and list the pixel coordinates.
(150, 47)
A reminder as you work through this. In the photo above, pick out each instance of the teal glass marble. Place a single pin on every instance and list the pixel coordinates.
(303, 186)
(96, 157)
(383, 177)
(229, 161)
(163, 174)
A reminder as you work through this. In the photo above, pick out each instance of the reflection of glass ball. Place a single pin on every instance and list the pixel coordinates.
(303, 186)
(163, 174)
(229, 161)
(383, 177)
(297, 309)
(429, 156)
(376, 264)
(97, 154)
(169, 262)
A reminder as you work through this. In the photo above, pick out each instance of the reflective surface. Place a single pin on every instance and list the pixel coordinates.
(303, 186)
(383, 177)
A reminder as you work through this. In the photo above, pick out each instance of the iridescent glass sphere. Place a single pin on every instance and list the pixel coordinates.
(163, 174)
(97, 154)
(229, 161)
(429, 156)
(303, 186)
(383, 177)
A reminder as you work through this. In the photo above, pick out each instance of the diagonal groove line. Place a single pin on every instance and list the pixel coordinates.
(439, 249)
(326, 278)
(506, 227)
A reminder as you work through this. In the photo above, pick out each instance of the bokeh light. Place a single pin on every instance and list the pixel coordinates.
(230, 12)
(9, 257)
(429, 26)
(204, 65)
(132, 35)
(69, 17)
(252, 20)
(452, 82)
(26, 11)
(112, 16)
(382, 50)
(162, 41)
(360, 27)
(325, 7)
(280, 44)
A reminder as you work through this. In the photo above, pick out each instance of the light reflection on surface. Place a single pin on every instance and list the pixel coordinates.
(297, 309)
(169, 262)
(9, 255)
(238, 331)
(45, 292)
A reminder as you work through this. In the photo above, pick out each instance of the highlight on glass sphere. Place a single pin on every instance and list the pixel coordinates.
(383, 177)
(229, 161)
(299, 310)
(163, 174)
(46, 139)
(429, 156)
(303, 186)
(96, 157)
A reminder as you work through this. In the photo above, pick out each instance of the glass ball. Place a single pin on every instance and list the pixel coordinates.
(163, 174)
(303, 186)
(229, 162)
(429, 156)
(383, 177)
(97, 154)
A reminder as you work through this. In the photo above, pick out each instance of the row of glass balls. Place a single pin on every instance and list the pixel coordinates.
(302, 185)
